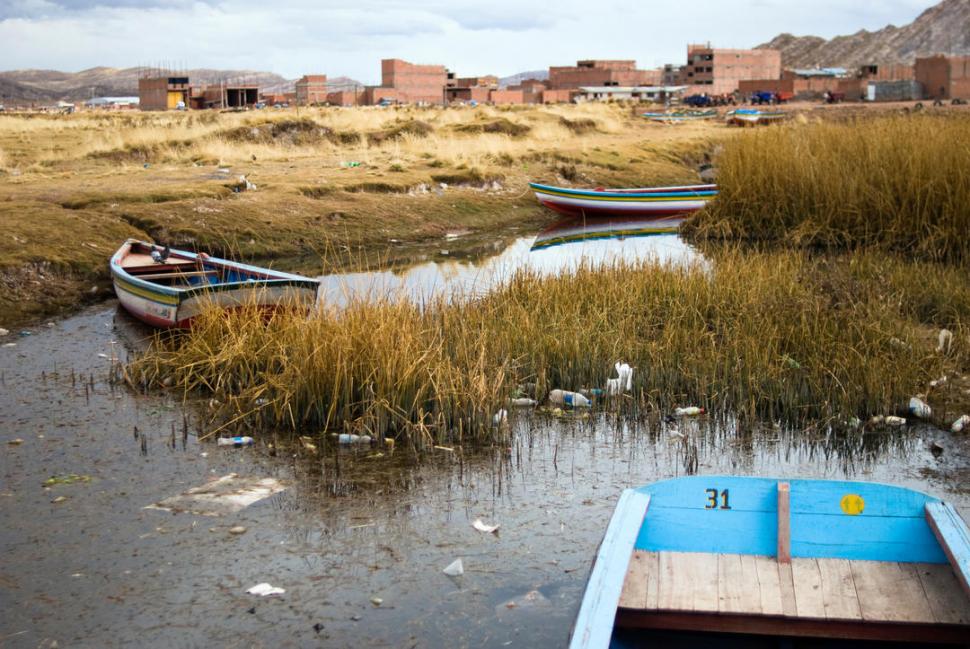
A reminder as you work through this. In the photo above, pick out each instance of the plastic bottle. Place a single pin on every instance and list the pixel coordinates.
(349, 438)
(567, 398)
(919, 408)
(522, 402)
(960, 424)
(689, 411)
(236, 441)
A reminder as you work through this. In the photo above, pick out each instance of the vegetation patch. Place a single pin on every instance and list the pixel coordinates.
(579, 125)
(377, 188)
(899, 182)
(501, 125)
(291, 132)
(317, 191)
(414, 128)
(466, 177)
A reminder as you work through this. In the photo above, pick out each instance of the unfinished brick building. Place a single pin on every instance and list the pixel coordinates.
(600, 73)
(405, 82)
(311, 89)
(470, 88)
(163, 93)
(943, 77)
(717, 71)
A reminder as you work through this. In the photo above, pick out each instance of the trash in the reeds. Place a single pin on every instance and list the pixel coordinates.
(523, 402)
(688, 411)
(66, 479)
(4, 332)
(484, 527)
(51, 325)
(265, 589)
(15, 442)
(960, 424)
(350, 438)
(877, 420)
(389, 442)
(454, 569)
(897, 343)
(935, 383)
(238, 529)
(58, 500)
(24, 333)
(677, 436)
(919, 408)
(225, 495)
(853, 422)
(936, 449)
(376, 601)
(445, 448)
(500, 418)
(944, 341)
(556, 412)
(347, 164)
(530, 600)
(307, 443)
(235, 441)
(569, 399)
(592, 393)
(893, 420)
(10, 344)
(623, 380)
(102, 355)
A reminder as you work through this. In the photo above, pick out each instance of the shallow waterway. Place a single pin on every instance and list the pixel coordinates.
(358, 540)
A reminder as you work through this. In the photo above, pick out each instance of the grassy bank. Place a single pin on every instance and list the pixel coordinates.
(377, 183)
(899, 182)
(781, 336)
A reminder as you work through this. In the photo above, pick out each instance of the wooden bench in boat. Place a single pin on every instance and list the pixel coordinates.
(175, 274)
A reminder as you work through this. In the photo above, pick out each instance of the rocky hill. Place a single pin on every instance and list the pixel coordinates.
(51, 85)
(941, 29)
(515, 79)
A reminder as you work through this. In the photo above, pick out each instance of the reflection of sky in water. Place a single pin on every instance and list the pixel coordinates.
(423, 280)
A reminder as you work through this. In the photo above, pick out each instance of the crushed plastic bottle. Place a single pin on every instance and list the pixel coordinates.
(689, 411)
(960, 424)
(919, 408)
(350, 438)
(235, 441)
(522, 402)
(567, 398)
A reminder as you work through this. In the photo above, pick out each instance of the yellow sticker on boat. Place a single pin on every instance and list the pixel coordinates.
(852, 504)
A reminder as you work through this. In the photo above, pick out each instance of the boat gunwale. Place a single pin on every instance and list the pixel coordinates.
(639, 193)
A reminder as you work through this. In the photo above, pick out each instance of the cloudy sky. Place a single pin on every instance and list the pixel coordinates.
(349, 37)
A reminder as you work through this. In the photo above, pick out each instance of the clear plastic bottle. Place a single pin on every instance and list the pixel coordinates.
(569, 399)
(236, 441)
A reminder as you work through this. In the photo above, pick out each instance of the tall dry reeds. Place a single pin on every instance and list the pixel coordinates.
(901, 182)
(762, 335)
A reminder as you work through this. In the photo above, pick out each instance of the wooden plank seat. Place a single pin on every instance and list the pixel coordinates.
(175, 274)
(136, 260)
(841, 598)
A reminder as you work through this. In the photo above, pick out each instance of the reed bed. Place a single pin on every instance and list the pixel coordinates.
(778, 336)
(901, 182)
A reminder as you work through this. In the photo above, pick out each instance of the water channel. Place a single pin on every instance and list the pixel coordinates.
(358, 540)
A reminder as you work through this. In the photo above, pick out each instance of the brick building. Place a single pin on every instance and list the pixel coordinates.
(600, 73)
(943, 77)
(163, 93)
(470, 88)
(311, 89)
(404, 82)
(717, 71)
(531, 90)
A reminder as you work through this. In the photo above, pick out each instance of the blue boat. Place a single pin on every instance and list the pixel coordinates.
(806, 559)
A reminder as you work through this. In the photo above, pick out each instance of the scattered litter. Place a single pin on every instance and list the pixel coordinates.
(624, 380)
(238, 529)
(938, 382)
(484, 527)
(235, 441)
(897, 343)
(454, 569)
(3, 332)
(567, 398)
(59, 499)
(919, 408)
(15, 442)
(677, 436)
(71, 478)
(877, 420)
(444, 448)
(500, 418)
(349, 438)
(936, 449)
(960, 424)
(945, 341)
(221, 496)
(532, 599)
(102, 355)
(308, 444)
(523, 402)
(689, 411)
(50, 325)
(376, 601)
(348, 164)
(265, 589)
(24, 333)
(10, 344)
(892, 420)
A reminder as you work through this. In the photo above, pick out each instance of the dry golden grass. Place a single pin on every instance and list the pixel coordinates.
(900, 182)
(781, 335)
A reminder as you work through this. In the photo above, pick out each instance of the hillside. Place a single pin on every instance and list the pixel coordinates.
(941, 29)
(52, 85)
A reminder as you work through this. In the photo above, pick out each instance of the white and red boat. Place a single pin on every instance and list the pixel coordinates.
(168, 288)
(641, 201)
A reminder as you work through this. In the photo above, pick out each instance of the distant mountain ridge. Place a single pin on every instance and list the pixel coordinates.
(942, 29)
(515, 79)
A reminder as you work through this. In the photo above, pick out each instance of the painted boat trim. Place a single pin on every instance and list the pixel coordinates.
(646, 194)
(954, 537)
(594, 624)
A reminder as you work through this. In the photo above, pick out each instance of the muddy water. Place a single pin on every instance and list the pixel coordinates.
(85, 565)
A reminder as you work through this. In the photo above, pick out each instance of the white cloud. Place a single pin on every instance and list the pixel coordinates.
(350, 37)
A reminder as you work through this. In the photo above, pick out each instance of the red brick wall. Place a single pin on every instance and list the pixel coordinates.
(509, 96)
(153, 93)
(373, 95)
(311, 89)
(342, 98)
(721, 70)
(933, 72)
(601, 73)
(556, 96)
(415, 82)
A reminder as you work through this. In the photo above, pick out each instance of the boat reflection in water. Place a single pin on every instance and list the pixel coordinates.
(577, 229)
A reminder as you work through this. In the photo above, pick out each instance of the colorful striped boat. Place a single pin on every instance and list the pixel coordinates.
(754, 117)
(170, 288)
(642, 201)
(577, 229)
(717, 556)
(679, 117)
